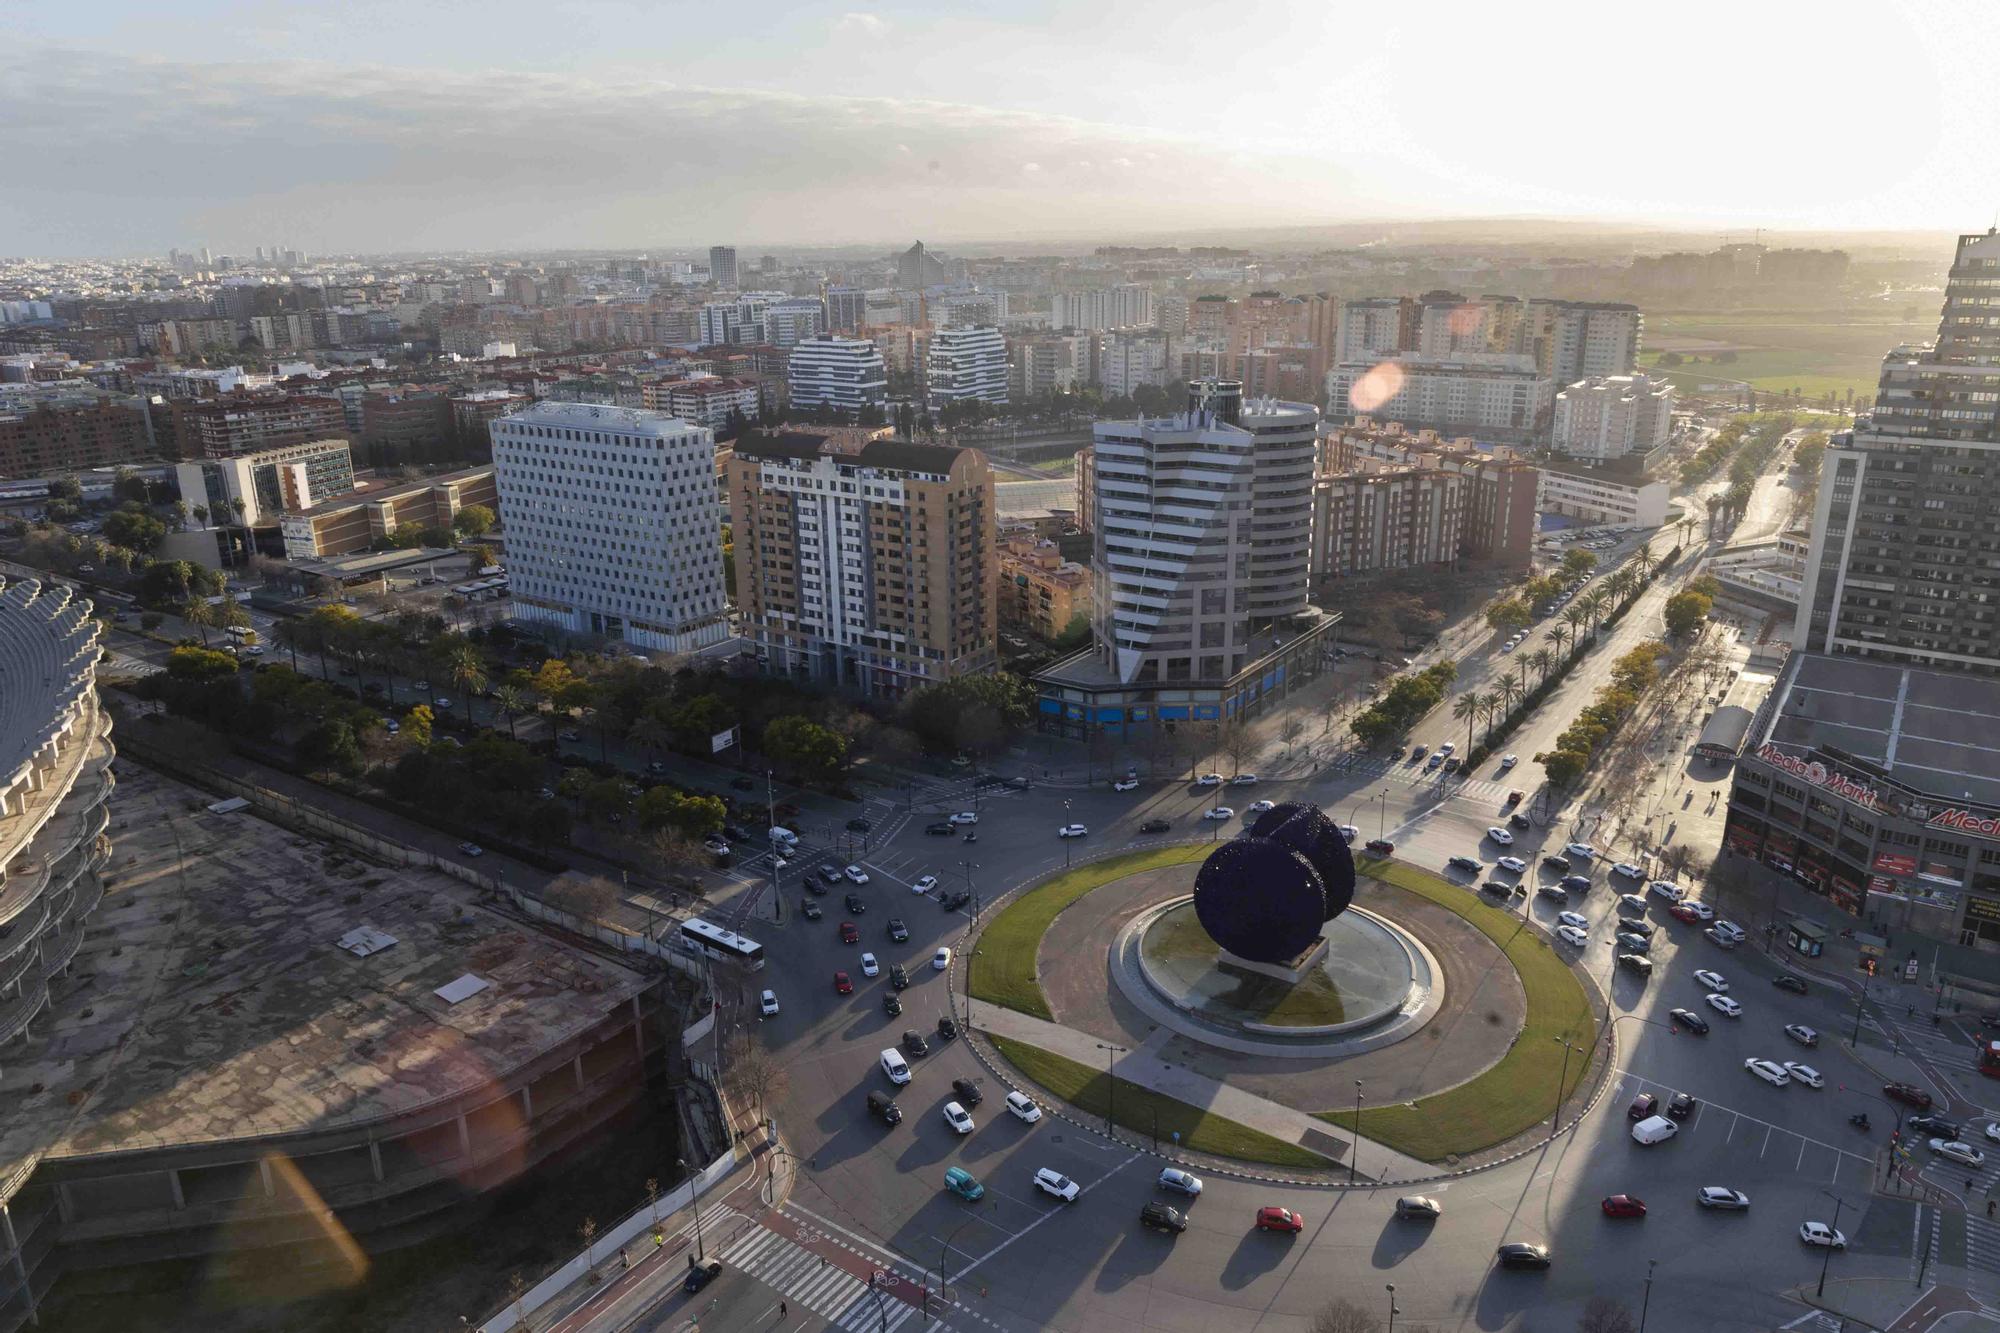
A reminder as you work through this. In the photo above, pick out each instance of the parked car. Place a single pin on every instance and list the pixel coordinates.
(1181, 1182)
(1681, 1107)
(914, 1043)
(1157, 1216)
(1022, 1107)
(849, 934)
(1518, 1254)
(1379, 846)
(700, 1276)
(1770, 1071)
(1645, 1104)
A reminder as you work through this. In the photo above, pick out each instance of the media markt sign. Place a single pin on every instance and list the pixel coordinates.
(1967, 821)
(1819, 775)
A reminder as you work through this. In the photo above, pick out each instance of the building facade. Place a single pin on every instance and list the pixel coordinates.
(708, 401)
(864, 562)
(1383, 517)
(1496, 396)
(722, 266)
(1610, 417)
(1625, 497)
(1127, 305)
(966, 364)
(222, 427)
(45, 432)
(845, 374)
(268, 484)
(1497, 509)
(355, 522)
(1046, 363)
(1128, 359)
(611, 524)
(1039, 592)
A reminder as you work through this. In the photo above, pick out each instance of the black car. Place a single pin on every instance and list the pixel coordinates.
(856, 904)
(831, 873)
(1635, 962)
(1576, 883)
(1155, 826)
(1554, 893)
(1632, 925)
(1518, 1254)
(1690, 1020)
(1681, 1107)
(897, 930)
(1464, 863)
(891, 1005)
(1162, 1217)
(701, 1276)
(954, 900)
(1786, 981)
(735, 833)
(858, 825)
(1519, 821)
(897, 976)
(1499, 888)
(1936, 1126)
(947, 1028)
(810, 909)
(743, 784)
(968, 1091)
(943, 828)
(914, 1043)
(1555, 863)
(883, 1107)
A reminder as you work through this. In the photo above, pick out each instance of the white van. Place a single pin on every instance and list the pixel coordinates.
(1654, 1129)
(895, 1066)
(784, 837)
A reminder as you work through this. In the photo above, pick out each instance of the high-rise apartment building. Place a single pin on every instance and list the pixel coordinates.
(1904, 549)
(846, 374)
(1128, 358)
(966, 364)
(846, 309)
(612, 524)
(709, 401)
(1493, 395)
(722, 266)
(788, 323)
(52, 430)
(862, 561)
(1046, 363)
(248, 423)
(1502, 487)
(1608, 418)
(1375, 327)
(1381, 517)
(1127, 305)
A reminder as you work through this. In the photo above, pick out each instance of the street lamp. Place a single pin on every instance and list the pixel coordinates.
(1562, 1083)
(1827, 1258)
(1382, 830)
(1393, 1311)
(944, 1259)
(966, 948)
(1065, 840)
(1354, 1154)
(1647, 1299)
(1859, 1005)
(1111, 1054)
(694, 1186)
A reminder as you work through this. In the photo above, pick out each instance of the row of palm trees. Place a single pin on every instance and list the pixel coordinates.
(393, 648)
(1565, 637)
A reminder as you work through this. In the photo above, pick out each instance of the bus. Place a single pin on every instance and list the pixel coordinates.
(722, 945)
(1989, 1058)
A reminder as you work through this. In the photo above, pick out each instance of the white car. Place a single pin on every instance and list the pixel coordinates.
(1072, 831)
(1508, 761)
(768, 1002)
(856, 875)
(869, 967)
(1628, 870)
(1349, 833)
(1259, 807)
(1501, 836)
(443, 703)
(941, 959)
(1715, 981)
(1173, 1178)
(1770, 1071)
(1993, 1131)
(1666, 888)
(1702, 911)
(965, 817)
(1819, 1233)
(923, 884)
(1725, 1006)
(1022, 1107)
(1513, 863)
(471, 849)
(1209, 780)
(1446, 747)
(1220, 812)
(955, 1116)
(1576, 935)
(1582, 849)
(1962, 1153)
(1125, 784)
(1805, 1074)
(1055, 1182)
(717, 845)
(1730, 931)
(1243, 780)
(1577, 919)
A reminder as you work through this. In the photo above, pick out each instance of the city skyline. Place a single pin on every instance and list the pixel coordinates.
(238, 126)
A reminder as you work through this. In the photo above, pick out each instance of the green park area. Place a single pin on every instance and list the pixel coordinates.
(1816, 353)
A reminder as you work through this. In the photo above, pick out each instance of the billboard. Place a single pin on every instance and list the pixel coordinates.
(721, 741)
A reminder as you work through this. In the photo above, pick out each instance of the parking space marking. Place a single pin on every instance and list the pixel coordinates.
(1639, 1082)
(960, 1274)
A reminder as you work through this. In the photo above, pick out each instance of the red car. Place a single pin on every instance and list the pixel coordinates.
(1643, 1105)
(842, 985)
(1908, 1094)
(848, 934)
(1279, 1219)
(1624, 1205)
(1513, 798)
(1379, 846)
(1682, 912)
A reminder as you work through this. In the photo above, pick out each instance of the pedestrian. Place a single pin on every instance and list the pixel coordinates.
(783, 1309)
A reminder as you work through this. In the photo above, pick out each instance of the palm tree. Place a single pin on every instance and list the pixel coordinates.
(1542, 660)
(512, 700)
(466, 670)
(292, 635)
(1559, 635)
(1643, 562)
(199, 614)
(650, 732)
(1574, 615)
(1490, 704)
(1468, 707)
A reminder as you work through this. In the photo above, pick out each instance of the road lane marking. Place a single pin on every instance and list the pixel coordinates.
(959, 1276)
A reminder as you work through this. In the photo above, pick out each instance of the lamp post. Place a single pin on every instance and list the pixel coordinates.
(1562, 1083)
(1827, 1258)
(1111, 1054)
(1393, 1311)
(1382, 830)
(694, 1186)
(1646, 1300)
(966, 948)
(1066, 841)
(1859, 1005)
(944, 1258)
(1354, 1156)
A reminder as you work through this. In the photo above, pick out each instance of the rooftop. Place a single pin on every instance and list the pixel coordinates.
(222, 1003)
(1034, 499)
(1937, 732)
(393, 490)
(901, 455)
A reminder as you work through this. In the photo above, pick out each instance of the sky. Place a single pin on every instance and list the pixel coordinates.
(132, 126)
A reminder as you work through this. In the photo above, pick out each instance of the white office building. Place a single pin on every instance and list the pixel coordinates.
(1596, 497)
(968, 363)
(1610, 417)
(1129, 358)
(843, 373)
(1203, 534)
(790, 322)
(1495, 396)
(612, 524)
(1124, 306)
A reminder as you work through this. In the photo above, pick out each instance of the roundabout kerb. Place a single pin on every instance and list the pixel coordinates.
(1549, 1001)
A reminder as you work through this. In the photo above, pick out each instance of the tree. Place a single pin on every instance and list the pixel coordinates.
(1504, 617)
(1466, 710)
(330, 744)
(132, 526)
(1686, 611)
(417, 724)
(1236, 741)
(1563, 767)
(466, 670)
(804, 748)
(969, 714)
(756, 1073)
(512, 700)
(201, 615)
(688, 816)
(475, 520)
(1343, 1316)
(1542, 660)
(1578, 562)
(1601, 1314)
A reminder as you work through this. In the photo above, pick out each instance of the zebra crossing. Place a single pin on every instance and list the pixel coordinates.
(807, 1279)
(1415, 775)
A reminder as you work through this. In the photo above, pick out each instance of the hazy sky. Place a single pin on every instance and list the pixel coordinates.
(436, 124)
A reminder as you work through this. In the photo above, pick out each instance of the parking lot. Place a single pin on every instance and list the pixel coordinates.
(1727, 1137)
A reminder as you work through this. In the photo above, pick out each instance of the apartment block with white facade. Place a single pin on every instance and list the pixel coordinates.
(612, 524)
(1127, 305)
(847, 374)
(1610, 417)
(1602, 496)
(966, 364)
(1130, 358)
(1497, 396)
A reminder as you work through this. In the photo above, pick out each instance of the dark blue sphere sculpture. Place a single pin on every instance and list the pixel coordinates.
(1265, 895)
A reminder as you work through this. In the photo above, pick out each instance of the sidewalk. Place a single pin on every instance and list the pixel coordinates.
(1897, 1305)
(1144, 1068)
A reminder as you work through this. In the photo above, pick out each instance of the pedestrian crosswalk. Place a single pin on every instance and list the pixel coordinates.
(807, 1279)
(1416, 775)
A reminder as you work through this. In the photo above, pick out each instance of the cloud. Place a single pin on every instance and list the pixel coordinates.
(856, 21)
(361, 158)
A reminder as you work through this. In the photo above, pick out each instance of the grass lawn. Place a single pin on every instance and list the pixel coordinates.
(1520, 1090)
(1003, 962)
(1814, 352)
(1135, 1108)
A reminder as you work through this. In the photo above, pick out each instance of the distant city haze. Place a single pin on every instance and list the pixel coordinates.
(374, 126)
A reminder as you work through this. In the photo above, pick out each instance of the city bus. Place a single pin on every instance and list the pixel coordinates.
(722, 945)
(1989, 1058)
